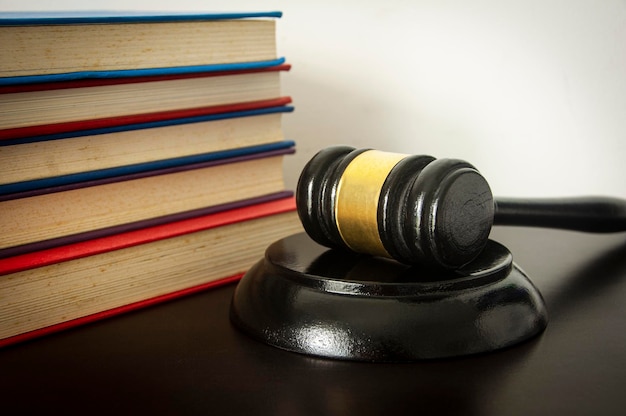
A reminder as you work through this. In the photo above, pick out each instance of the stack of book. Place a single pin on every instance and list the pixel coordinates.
(140, 160)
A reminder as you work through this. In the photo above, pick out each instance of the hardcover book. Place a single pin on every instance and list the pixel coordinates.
(101, 153)
(119, 44)
(24, 109)
(125, 199)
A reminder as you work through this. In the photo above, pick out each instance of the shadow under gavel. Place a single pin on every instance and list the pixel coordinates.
(420, 210)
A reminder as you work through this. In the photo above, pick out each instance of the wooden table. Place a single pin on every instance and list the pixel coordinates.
(185, 357)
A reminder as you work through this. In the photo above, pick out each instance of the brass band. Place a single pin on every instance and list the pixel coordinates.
(356, 207)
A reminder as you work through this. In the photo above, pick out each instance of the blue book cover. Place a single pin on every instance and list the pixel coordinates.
(115, 16)
(143, 72)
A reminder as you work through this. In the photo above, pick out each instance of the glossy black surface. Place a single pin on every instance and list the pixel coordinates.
(185, 356)
(306, 298)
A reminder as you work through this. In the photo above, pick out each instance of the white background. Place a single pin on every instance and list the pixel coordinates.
(532, 92)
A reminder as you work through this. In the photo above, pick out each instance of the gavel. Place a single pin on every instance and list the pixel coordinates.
(417, 209)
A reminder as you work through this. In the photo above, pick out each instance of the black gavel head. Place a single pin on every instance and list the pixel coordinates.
(415, 209)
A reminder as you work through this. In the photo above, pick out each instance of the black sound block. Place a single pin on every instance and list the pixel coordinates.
(309, 299)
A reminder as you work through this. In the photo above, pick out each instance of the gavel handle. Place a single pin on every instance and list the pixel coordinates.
(590, 214)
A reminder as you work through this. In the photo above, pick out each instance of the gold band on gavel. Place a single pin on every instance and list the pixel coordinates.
(358, 192)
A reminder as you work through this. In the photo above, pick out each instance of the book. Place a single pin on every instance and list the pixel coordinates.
(50, 160)
(122, 199)
(140, 161)
(25, 106)
(55, 289)
(63, 45)
(45, 132)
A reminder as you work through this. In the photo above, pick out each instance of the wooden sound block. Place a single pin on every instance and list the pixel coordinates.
(309, 299)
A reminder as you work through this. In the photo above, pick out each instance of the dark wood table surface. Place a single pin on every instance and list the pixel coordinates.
(185, 357)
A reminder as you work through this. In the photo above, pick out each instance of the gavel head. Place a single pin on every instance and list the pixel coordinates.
(415, 209)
